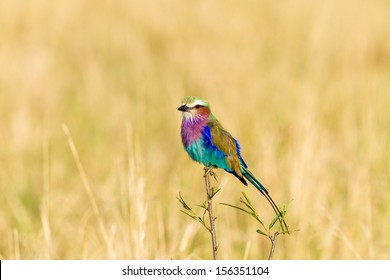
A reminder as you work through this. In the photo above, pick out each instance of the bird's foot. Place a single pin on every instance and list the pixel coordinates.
(209, 170)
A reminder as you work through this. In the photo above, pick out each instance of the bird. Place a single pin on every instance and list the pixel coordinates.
(206, 141)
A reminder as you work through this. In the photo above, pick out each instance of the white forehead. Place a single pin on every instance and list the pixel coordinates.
(196, 102)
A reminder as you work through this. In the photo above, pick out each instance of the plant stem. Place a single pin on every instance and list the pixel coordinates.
(273, 241)
(207, 172)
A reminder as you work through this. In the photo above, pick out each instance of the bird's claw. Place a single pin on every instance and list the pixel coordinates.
(210, 171)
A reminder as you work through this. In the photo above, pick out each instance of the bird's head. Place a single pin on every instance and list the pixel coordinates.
(193, 107)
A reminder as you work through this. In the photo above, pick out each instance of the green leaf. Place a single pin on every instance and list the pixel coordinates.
(184, 204)
(203, 206)
(248, 203)
(203, 223)
(251, 213)
(261, 232)
(258, 219)
(189, 215)
(214, 192)
(239, 208)
(274, 220)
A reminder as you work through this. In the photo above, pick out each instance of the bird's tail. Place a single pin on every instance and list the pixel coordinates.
(248, 175)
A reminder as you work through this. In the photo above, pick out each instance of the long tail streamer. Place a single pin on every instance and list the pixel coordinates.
(248, 175)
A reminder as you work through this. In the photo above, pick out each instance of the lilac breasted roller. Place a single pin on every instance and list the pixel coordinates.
(207, 142)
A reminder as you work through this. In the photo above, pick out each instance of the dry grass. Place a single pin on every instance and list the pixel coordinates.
(304, 87)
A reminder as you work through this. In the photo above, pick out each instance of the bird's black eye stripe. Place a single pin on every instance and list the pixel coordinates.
(198, 106)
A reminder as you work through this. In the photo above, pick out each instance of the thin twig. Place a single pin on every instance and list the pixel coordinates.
(273, 241)
(207, 173)
(88, 189)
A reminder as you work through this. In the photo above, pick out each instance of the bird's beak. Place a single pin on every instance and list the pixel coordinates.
(183, 108)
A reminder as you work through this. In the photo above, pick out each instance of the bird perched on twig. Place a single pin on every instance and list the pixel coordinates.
(208, 143)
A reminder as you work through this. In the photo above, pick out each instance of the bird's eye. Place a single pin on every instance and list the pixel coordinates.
(198, 106)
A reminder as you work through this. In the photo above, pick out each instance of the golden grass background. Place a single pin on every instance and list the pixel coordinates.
(304, 86)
